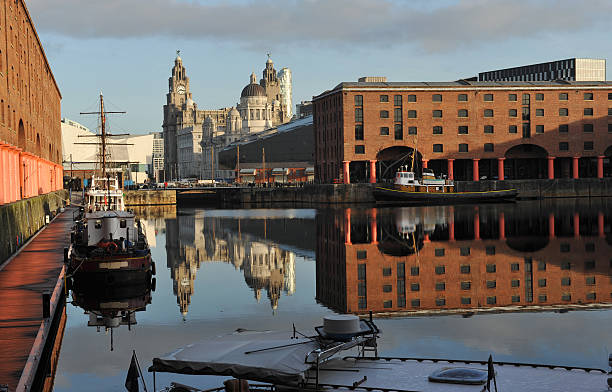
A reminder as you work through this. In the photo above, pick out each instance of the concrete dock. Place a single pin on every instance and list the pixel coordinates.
(36, 269)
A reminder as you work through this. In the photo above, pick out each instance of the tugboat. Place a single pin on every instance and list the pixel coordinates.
(431, 190)
(107, 242)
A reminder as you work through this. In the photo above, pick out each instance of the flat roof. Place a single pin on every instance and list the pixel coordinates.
(465, 85)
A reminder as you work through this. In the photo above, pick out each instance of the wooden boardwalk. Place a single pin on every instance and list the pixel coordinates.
(23, 279)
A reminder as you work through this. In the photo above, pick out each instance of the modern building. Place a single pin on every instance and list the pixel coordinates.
(574, 69)
(303, 109)
(193, 137)
(130, 156)
(30, 135)
(158, 157)
(282, 154)
(464, 130)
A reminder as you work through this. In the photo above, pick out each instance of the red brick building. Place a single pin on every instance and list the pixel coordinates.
(465, 130)
(30, 131)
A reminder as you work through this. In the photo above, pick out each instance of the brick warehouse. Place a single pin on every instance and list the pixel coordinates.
(30, 131)
(466, 130)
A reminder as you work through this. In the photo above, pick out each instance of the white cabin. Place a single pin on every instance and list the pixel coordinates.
(104, 195)
(110, 225)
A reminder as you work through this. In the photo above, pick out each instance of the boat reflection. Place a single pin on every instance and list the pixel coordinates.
(256, 245)
(109, 307)
(465, 259)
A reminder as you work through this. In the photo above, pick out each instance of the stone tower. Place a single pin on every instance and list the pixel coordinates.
(270, 82)
(178, 94)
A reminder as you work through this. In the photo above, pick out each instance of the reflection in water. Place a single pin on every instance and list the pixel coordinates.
(464, 258)
(109, 307)
(194, 238)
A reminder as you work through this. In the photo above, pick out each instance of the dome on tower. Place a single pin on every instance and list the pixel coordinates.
(253, 90)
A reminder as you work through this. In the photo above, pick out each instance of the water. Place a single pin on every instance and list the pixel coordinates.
(540, 284)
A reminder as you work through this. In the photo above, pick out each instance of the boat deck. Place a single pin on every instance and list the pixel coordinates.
(411, 375)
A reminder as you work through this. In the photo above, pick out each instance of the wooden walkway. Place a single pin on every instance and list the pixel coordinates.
(23, 279)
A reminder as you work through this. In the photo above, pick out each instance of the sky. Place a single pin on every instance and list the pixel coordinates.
(126, 48)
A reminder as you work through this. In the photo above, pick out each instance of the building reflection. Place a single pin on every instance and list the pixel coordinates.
(110, 307)
(193, 239)
(524, 256)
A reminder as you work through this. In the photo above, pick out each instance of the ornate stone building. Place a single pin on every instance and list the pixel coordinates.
(193, 137)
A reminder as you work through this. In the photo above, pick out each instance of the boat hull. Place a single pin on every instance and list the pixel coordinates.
(397, 196)
(112, 271)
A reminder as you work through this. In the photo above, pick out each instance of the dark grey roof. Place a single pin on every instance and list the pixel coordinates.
(253, 90)
(464, 84)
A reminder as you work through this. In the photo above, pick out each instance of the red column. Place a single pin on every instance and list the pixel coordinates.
(2, 175)
(372, 172)
(575, 167)
(551, 226)
(576, 225)
(426, 238)
(600, 225)
(500, 168)
(373, 227)
(502, 226)
(551, 168)
(345, 172)
(451, 224)
(425, 163)
(450, 169)
(600, 166)
(476, 224)
(21, 162)
(347, 226)
(476, 175)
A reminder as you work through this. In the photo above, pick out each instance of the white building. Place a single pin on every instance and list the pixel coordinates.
(131, 155)
(284, 77)
(574, 69)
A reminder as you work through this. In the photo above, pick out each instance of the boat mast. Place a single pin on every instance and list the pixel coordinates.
(103, 137)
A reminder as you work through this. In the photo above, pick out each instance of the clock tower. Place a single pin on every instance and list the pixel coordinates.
(174, 117)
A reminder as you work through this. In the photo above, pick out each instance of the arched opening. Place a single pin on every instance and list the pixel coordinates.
(607, 162)
(21, 136)
(526, 161)
(38, 146)
(390, 159)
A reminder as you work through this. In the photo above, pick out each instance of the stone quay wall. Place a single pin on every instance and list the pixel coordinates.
(147, 197)
(22, 219)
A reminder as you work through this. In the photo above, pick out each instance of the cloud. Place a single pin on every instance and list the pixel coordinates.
(357, 23)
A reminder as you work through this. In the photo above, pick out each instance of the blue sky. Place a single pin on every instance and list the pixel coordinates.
(126, 48)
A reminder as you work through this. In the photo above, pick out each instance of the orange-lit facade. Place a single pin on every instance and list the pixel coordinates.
(447, 259)
(30, 130)
(464, 130)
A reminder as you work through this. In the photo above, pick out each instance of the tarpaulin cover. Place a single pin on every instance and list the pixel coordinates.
(229, 355)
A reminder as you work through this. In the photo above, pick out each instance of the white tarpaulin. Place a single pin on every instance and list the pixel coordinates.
(238, 355)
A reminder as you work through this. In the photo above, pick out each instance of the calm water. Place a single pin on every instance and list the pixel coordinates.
(529, 282)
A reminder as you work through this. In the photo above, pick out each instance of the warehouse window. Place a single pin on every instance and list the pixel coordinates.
(436, 98)
(562, 96)
(358, 100)
(437, 113)
(563, 112)
(539, 112)
(359, 132)
(539, 128)
(588, 96)
(412, 98)
(397, 114)
(588, 146)
(464, 269)
(462, 129)
(384, 114)
(437, 148)
(398, 132)
(488, 97)
(563, 146)
(358, 115)
(412, 113)
(463, 147)
(437, 130)
(384, 131)
(512, 129)
(488, 147)
(397, 100)
(412, 130)
(488, 129)
(360, 149)
(512, 113)
(512, 97)
(588, 111)
(462, 113)
(384, 98)
(488, 112)
(539, 97)
(563, 128)
(462, 97)
(587, 128)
